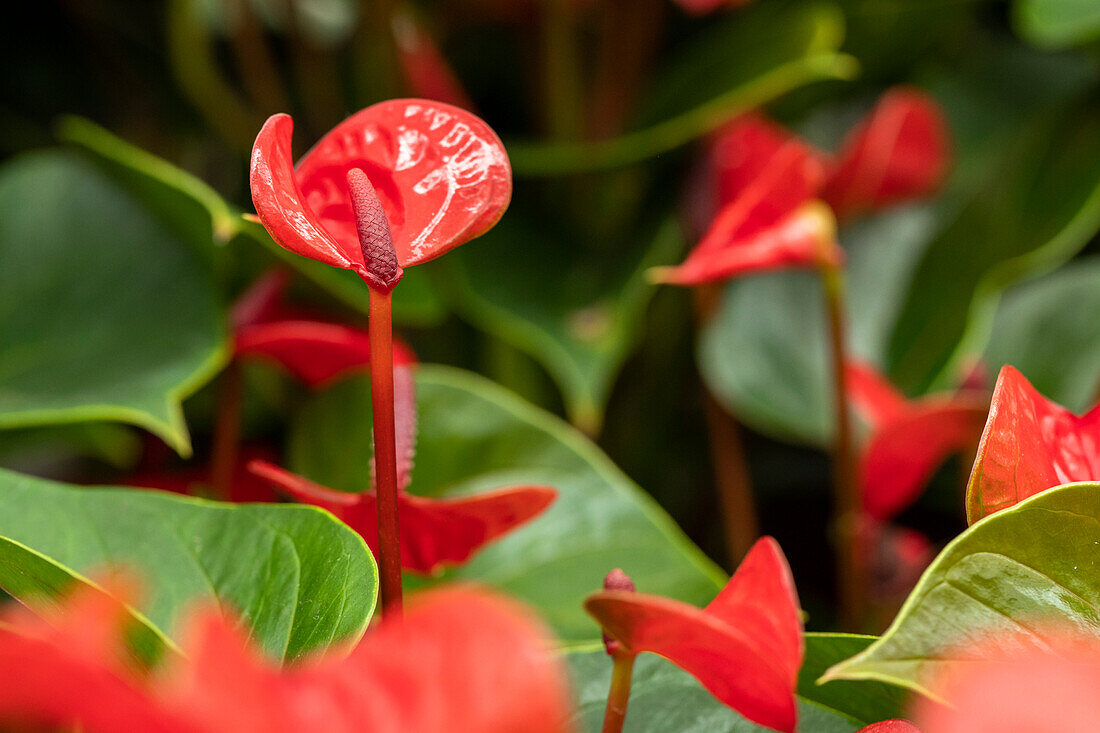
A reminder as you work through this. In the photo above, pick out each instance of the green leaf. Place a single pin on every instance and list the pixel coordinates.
(522, 286)
(1034, 560)
(742, 63)
(300, 580)
(475, 436)
(865, 701)
(665, 698)
(1057, 23)
(1048, 330)
(106, 313)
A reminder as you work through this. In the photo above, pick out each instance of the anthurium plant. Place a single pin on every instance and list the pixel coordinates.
(551, 366)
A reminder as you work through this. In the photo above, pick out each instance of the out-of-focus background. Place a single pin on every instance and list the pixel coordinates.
(607, 107)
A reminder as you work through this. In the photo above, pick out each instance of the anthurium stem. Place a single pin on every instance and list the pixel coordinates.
(381, 272)
(851, 583)
(227, 431)
(385, 449)
(619, 695)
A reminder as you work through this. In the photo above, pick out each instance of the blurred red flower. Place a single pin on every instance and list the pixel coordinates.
(909, 439)
(461, 660)
(1030, 444)
(745, 647)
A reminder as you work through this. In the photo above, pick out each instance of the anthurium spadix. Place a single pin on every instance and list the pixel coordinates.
(1029, 445)
(745, 647)
(397, 184)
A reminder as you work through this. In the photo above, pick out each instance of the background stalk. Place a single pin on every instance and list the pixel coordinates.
(227, 431)
(619, 694)
(385, 449)
(851, 581)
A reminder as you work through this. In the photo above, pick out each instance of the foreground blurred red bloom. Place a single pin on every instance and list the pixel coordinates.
(1017, 683)
(890, 726)
(764, 182)
(745, 647)
(461, 660)
(909, 439)
(899, 152)
(441, 174)
(1030, 444)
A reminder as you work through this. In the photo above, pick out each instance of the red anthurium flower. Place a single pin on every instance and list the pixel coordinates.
(198, 480)
(745, 647)
(316, 353)
(1030, 444)
(461, 660)
(909, 438)
(1024, 689)
(702, 7)
(434, 532)
(768, 219)
(899, 152)
(441, 174)
(896, 558)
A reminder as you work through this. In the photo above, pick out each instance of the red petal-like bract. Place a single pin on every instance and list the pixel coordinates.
(899, 152)
(197, 481)
(1030, 444)
(766, 181)
(1022, 689)
(909, 438)
(442, 176)
(461, 660)
(745, 647)
(434, 532)
(891, 726)
(315, 352)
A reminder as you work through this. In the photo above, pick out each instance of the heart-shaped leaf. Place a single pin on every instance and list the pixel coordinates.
(740, 64)
(106, 312)
(1048, 330)
(664, 698)
(300, 580)
(1036, 559)
(476, 436)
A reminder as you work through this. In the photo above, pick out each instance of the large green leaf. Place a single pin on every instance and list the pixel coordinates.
(524, 287)
(665, 698)
(865, 701)
(299, 579)
(1049, 331)
(474, 436)
(1057, 23)
(106, 313)
(1036, 560)
(740, 64)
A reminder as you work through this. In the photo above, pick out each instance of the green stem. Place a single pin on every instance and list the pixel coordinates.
(619, 694)
(385, 449)
(851, 580)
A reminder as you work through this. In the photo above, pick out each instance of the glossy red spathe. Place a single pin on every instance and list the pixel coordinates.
(909, 439)
(461, 660)
(1030, 444)
(440, 172)
(745, 647)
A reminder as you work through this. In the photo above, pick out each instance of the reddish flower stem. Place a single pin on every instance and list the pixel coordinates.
(851, 580)
(385, 449)
(227, 431)
(619, 694)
